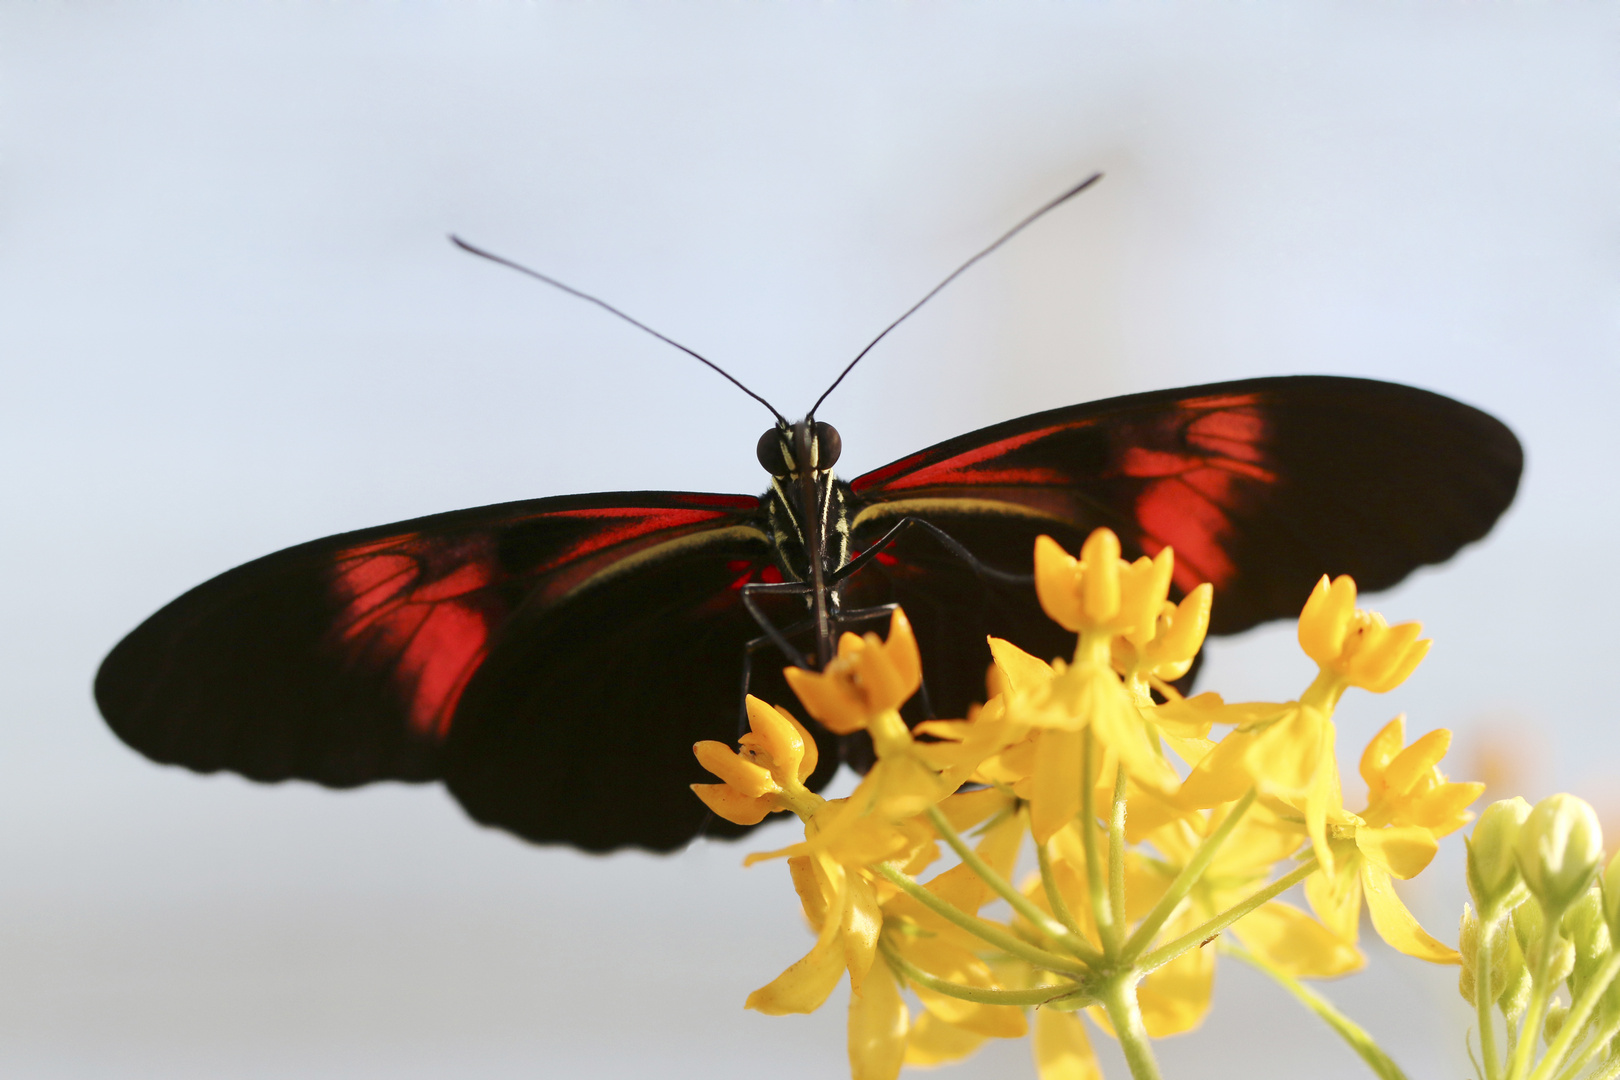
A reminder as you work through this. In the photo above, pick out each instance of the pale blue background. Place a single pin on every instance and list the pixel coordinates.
(229, 321)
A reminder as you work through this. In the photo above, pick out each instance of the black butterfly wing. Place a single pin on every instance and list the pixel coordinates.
(345, 660)
(1261, 486)
(580, 725)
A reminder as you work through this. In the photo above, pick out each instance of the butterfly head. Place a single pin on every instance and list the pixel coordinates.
(784, 448)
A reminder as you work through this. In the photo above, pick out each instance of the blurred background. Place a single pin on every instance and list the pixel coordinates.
(230, 321)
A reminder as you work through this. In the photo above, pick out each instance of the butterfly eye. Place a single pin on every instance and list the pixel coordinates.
(769, 452)
(828, 445)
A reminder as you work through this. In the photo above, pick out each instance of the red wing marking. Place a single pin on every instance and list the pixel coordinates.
(1190, 493)
(638, 522)
(959, 468)
(418, 608)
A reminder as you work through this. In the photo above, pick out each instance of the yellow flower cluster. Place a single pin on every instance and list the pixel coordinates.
(1152, 838)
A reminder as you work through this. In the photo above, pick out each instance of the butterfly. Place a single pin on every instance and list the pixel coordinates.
(553, 661)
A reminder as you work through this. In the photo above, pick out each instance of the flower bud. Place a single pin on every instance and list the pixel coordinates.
(1515, 993)
(1469, 940)
(1556, 1011)
(1493, 869)
(1584, 926)
(1611, 897)
(1560, 848)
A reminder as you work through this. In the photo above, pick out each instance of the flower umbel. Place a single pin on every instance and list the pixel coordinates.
(1151, 838)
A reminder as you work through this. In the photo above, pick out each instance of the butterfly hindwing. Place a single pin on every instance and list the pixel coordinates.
(344, 660)
(580, 726)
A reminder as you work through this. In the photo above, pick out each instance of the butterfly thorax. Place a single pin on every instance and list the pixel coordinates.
(787, 525)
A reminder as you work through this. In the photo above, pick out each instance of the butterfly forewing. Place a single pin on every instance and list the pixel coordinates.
(344, 660)
(1259, 486)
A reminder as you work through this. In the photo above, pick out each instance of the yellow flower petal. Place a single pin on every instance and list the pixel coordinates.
(878, 1024)
(867, 677)
(863, 921)
(1056, 796)
(812, 894)
(777, 734)
(1062, 1050)
(805, 985)
(935, 1042)
(1444, 810)
(1057, 573)
(1175, 998)
(1287, 938)
(1381, 751)
(733, 805)
(1325, 621)
(1099, 577)
(746, 777)
(1402, 850)
(947, 961)
(1416, 762)
(1395, 923)
(1022, 672)
(1337, 900)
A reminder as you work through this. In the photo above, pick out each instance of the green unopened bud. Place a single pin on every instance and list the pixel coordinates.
(1516, 981)
(1611, 897)
(1556, 1011)
(1560, 849)
(1537, 945)
(1493, 868)
(1584, 926)
(1470, 939)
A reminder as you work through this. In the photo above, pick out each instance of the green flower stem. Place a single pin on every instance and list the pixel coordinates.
(1485, 997)
(1610, 1070)
(1116, 856)
(1054, 895)
(1207, 931)
(1599, 1043)
(1004, 889)
(1579, 1013)
(1540, 993)
(1101, 913)
(1038, 995)
(1119, 999)
(986, 931)
(1365, 1046)
(1190, 875)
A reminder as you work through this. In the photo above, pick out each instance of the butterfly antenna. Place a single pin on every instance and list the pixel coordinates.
(1006, 236)
(604, 305)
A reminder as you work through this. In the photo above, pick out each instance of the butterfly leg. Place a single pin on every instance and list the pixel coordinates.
(946, 540)
(785, 588)
(749, 650)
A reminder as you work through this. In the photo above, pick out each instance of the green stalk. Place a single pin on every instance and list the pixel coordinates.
(1100, 911)
(1593, 1048)
(1207, 931)
(1485, 998)
(1540, 993)
(1579, 1013)
(1190, 875)
(1116, 855)
(1038, 995)
(1004, 889)
(1610, 1070)
(1365, 1046)
(985, 931)
(1054, 895)
(1119, 999)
